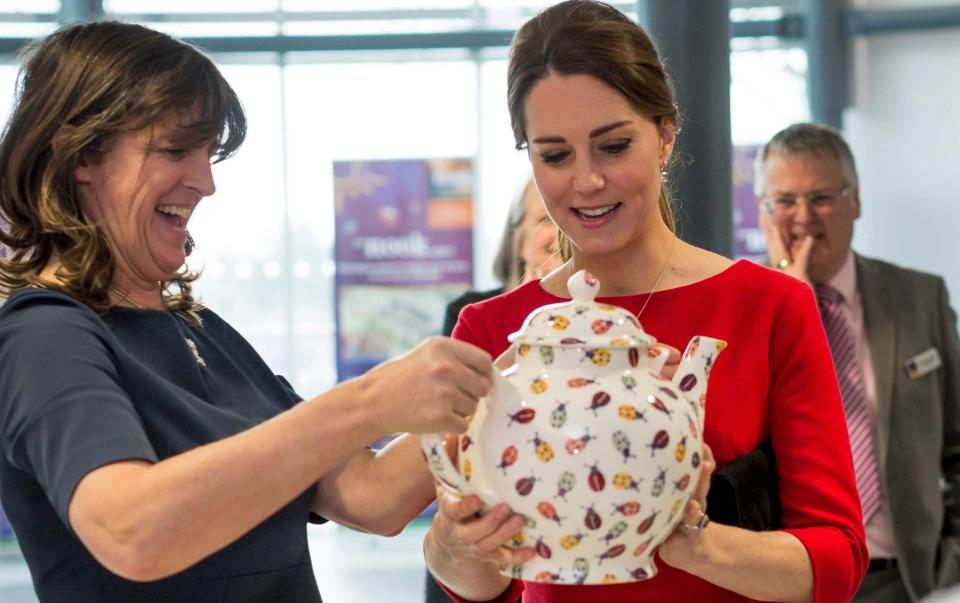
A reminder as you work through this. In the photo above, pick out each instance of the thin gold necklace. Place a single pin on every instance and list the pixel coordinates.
(122, 296)
(656, 283)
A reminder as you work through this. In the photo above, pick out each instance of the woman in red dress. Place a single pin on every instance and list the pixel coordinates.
(591, 105)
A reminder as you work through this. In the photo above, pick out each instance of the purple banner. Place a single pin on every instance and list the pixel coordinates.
(404, 248)
(748, 239)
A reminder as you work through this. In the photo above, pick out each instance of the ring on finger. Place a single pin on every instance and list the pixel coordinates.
(783, 264)
(701, 524)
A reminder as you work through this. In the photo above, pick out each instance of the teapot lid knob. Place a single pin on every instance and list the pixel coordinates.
(583, 286)
(582, 322)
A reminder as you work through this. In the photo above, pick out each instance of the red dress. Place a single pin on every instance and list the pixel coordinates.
(775, 378)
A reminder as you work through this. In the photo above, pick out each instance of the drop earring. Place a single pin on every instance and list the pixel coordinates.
(663, 171)
(188, 245)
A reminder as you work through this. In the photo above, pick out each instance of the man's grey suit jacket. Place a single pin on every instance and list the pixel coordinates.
(918, 417)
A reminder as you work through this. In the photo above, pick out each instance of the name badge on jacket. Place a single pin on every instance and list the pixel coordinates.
(925, 362)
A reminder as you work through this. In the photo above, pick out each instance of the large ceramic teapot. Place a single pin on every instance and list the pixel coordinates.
(587, 440)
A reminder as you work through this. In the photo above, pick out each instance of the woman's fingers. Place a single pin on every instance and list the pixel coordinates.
(776, 248)
(801, 259)
(430, 389)
(506, 359)
(694, 516)
(707, 465)
(493, 530)
(477, 534)
(455, 506)
(673, 360)
(508, 557)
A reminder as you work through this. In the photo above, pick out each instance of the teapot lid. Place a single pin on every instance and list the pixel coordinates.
(582, 321)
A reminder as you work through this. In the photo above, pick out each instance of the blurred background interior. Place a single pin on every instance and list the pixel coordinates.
(327, 81)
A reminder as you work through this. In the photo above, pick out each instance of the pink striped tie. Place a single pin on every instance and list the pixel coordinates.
(854, 395)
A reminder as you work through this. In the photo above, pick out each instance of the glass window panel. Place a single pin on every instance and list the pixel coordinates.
(239, 230)
(756, 13)
(351, 5)
(183, 29)
(503, 172)
(780, 4)
(537, 5)
(383, 110)
(29, 6)
(8, 83)
(373, 26)
(521, 4)
(189, 6)
(27, 29)
(768, 91)
(513, 13)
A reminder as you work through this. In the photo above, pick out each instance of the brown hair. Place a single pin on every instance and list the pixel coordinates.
(508, 266)
(585, 37)
(84, 86)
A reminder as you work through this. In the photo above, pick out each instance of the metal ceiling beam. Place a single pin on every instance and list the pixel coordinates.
(75, 11)
(867, 22)
(788, 27)
(417, 41)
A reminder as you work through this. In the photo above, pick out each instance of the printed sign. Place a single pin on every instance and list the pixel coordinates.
(404, 248)
(748, 239)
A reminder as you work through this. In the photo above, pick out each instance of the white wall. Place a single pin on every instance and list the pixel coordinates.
(904, 127)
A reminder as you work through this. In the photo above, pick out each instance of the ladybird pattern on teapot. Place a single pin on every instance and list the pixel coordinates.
(610, 473)
(595, 448)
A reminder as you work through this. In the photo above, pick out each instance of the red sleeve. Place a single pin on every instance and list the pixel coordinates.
(511, 595)
(488, 323)
(467, 329)
(818, 492)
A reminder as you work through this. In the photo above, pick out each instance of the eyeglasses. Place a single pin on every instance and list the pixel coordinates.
(819, 201)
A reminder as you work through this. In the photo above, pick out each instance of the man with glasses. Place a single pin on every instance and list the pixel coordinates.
(894, 340)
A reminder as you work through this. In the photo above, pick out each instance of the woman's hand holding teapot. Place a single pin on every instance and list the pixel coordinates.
(466, 547)
(433, 387)
(689, 540)
(461, 531)
(673, 360)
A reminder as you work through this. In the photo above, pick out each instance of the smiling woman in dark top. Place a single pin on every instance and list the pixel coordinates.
(147, 453)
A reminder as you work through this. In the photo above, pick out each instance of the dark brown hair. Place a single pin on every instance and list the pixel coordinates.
(585, 37)
(84, 86)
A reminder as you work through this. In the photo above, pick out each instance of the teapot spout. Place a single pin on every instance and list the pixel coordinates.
(694, 370)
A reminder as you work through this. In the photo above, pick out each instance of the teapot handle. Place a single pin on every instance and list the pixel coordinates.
(438, 461)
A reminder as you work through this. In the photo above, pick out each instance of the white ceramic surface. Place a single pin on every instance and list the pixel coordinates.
(586, 439)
